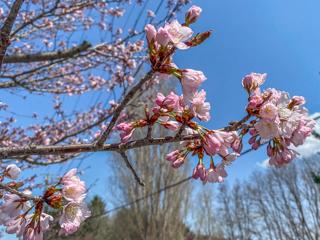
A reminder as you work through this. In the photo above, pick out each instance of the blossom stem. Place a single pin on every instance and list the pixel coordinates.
(20, 194)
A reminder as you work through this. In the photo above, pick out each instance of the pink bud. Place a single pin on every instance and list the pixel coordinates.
(199, 172)
(193, 14)
(151, 32)
(163, 37)
(253, 81)
(173, 155)
(298, 100)
(177, 163)
(172, 125)
(12, 171)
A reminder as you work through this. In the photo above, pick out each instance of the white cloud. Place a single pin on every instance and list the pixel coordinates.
(264, 164)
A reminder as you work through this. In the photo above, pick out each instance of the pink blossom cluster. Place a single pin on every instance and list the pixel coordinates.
(279, 120)
(16, 213)
(75, 211)
(271, 115)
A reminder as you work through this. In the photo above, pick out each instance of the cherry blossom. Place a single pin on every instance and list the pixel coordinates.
(73, 215)
(200, 172)
(12, 171)
(252, 81)
(216, 174)
(178, 34)
(69, 67)
(191, 80)
(193, 14)
(199, 107)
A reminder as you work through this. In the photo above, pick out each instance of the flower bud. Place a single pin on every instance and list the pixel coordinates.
(193, 14)
(296, 101)
(253, 81)
(12, 171)
(55, 201)
(151, 32)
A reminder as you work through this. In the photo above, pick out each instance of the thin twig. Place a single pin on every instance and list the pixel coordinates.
(20, 194)
(126, 160)
(121, 106)
(47, 56)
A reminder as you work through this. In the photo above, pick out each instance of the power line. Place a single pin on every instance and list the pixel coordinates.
(165, 188)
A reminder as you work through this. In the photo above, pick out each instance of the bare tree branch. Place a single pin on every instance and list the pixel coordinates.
(11, 152)
(47, 56)
(126, 160)
(122, 105)
(7, 27)
(20, 194)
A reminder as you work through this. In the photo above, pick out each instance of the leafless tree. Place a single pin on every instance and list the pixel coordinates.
(278, 204)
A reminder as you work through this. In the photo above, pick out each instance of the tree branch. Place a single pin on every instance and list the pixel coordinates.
(47, 56)
(122, 105)
(7, 27)
(12, 152)
(20, 194)
(126, 160)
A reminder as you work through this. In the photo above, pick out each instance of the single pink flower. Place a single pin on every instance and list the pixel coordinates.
(283, 157)
(191, 80)
(12, 206)
(17, 226)
(267, 129)
(36, 232)
(216, 174)
(199, 107)
(211, 144)
(219, 142)
(73, 188)
(268, 111)
(178, 34)
(170, 102)
(303, 131)
(228, 159)
(74, 191)
(70, 176)
(72, 216)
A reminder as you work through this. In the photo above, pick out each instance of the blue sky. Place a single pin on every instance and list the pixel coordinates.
(279, 37)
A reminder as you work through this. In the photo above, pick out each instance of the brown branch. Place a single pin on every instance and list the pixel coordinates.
(47, 56)
(126, 160)
(122, 105)
(7, 27)
(20, 194)
(12, 152)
